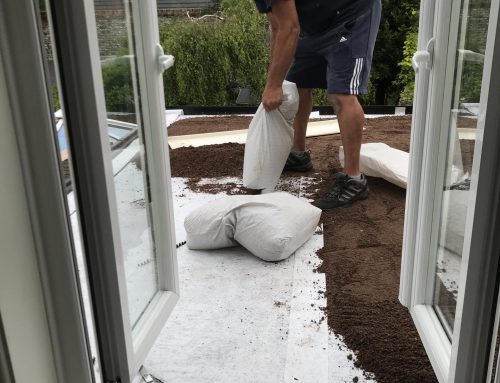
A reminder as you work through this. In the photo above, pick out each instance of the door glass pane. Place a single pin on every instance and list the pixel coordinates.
(469, 58)
(115, 30)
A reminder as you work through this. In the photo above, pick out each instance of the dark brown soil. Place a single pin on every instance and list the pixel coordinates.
(224, 160)
(361, 254)
(206, 125)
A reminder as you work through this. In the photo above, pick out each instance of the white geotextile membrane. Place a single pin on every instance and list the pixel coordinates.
(381, 160)
(271, 226)
(269, 140)
(240, 319)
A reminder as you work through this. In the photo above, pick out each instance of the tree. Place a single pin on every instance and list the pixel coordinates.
(216, 57)
(398, 19)
(405, 79)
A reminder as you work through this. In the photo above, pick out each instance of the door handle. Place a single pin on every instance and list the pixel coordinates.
(424, 58)
(164, 61)
(419, 59)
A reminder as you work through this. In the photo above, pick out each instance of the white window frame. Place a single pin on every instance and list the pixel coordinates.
(465, 359)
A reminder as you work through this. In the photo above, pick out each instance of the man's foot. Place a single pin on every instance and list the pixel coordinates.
(298, 162)
(345, 191)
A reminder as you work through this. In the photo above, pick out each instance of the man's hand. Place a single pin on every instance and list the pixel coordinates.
(285, 30)
(272, 98)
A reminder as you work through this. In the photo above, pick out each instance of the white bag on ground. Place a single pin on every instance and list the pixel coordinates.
(269, 140)
(380, 160)
(271, 226)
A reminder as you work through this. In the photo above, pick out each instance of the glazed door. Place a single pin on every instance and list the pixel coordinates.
(449, 257)
(110, 67)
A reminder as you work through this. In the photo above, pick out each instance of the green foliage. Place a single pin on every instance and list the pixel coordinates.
(118, 87)
(398, 19)
(215, 58)
(320, 97)
(406, 76)
(368, 99)
(42, 6)
(56, 103)
(237, 8)
(475, 41)
(472, 76)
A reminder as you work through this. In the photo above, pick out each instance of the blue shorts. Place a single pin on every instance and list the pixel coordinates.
(338, 59)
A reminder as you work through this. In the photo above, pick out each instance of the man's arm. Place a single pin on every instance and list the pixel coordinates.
(285, 30)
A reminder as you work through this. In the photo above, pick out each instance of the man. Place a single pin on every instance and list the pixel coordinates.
(331, 45)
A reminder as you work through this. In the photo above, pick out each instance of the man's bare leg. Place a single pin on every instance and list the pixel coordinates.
(351, 186)
(351, 120)
(301, 119)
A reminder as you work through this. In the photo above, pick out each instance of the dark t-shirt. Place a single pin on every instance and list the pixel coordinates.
(316, 16)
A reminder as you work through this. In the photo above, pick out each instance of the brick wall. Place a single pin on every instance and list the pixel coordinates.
(112, 28)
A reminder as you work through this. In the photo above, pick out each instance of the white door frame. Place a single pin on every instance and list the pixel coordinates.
(476, 304)
(34, 126)
(122, 349)
(415, 268)
(150, 70)
(422, 64)
(75, 46)
(466, 358)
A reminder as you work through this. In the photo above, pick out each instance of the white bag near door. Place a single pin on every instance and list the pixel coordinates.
(380, 160)
(269, 140)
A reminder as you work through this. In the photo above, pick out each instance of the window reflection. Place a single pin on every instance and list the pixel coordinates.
(470, 49)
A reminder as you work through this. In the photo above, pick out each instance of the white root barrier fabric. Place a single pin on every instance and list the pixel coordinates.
(271, 226)
(269, 140)
(381, 160)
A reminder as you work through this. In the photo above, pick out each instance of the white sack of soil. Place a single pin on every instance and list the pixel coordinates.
(269, 140)
(380, 160)
(271, 226)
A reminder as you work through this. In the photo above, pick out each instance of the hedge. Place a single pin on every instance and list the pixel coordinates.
(214, 59)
